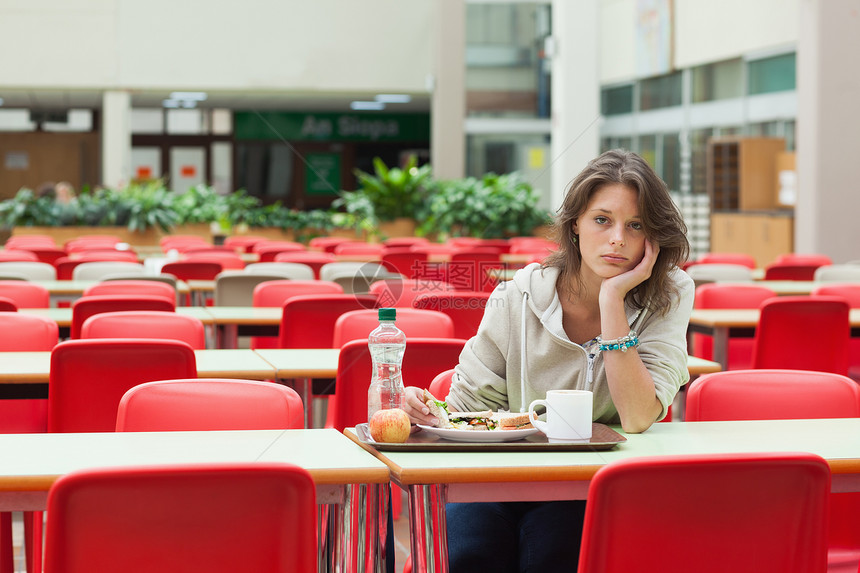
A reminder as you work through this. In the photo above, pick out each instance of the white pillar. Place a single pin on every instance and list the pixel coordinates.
(448, 107)
(116, 138)
(828, 129)
(575, 91)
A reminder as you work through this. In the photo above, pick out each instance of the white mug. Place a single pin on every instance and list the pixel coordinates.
(568, 415)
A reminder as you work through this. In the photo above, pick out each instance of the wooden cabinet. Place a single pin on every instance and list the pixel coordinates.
(762, 235)
(741, 173)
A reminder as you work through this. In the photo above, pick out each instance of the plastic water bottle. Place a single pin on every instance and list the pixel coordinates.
(387, 344)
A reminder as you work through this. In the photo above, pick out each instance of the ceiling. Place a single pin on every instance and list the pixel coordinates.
(236, 100)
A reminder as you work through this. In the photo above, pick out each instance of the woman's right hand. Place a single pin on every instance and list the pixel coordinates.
(414, 406)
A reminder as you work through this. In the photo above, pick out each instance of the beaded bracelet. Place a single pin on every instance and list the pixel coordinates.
(621, 344)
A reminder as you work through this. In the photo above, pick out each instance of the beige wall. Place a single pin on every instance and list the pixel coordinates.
(321, 45)
(705, 31)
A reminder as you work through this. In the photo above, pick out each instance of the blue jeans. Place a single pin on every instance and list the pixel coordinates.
(514, 537)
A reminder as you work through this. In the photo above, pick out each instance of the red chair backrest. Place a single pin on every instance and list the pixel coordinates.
(268, 252)
(357, 324)
(726, 295)
(729, 259)
(771, 395)
(89, 377)
(243, 243)
(146, 324)
(7, 305)
(18, 256)
(465, 308)
(86, 306)
(422, 361)
(848, 291)
(21, 332)
(790, 272)
(227, 260)
(132, 287)
(756, 503)
(441, 384)
(406, 261)
(308, 320)
(121, 514)
(193, 270)
(401, 293)
(276, 293)
(803, 333)
(25, 294)
(800, 259)
(209, 404)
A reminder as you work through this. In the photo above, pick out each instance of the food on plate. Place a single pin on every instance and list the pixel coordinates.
(485, 420)
(391, 426)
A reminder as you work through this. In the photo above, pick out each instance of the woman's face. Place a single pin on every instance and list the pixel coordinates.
(611, 237)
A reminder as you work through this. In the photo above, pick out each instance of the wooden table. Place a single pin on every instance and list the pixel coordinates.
(346, 476)
(722, 323)
(433, 478)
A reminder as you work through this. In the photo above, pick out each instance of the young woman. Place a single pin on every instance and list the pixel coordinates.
(613, 283)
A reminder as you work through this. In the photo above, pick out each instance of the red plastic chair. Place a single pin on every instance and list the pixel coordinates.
(315, 260)
(468, 270)
(750, 512)
(44, 253)
(799, 259)
(327, 244)
(227, 259)
(87, 306)
(728, 259)
(268, 251)
(790, 272)
(851, 293)
(406, 261)
(257, 517)
(398, 242)
(357, 324)
(65, 266)
(358, 248)
(146, 324)
(803, 333)
(465, 308)
(308, 320)
(276, 293)
(22, 333)
(400, 293)
(18, 241)
(181, 243)
(423, 360)
(132, 287)
(724, 295)
(18, 256)
(105, 255)
(441, 384)
(89, 377)
(193, 270)
(7, 305)
(25, 294)
(243, 243)
(209, 404)
(787, 394)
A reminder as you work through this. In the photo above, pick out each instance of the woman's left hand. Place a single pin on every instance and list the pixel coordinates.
(623, 283)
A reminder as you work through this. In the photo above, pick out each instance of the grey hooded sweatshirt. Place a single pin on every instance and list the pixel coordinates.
(488, 375)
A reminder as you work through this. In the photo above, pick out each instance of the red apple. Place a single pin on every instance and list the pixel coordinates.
(391, 425)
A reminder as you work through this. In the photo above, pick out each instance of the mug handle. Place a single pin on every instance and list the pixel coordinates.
(540, 425)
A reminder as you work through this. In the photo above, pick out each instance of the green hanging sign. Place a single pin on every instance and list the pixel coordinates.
(364, 127)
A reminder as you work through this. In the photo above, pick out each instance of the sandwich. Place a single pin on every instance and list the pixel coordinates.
(437, 408)
(473, 420)
(513, 421)
(484, 420)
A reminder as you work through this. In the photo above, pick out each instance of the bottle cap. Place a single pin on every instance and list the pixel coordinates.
(387, 313)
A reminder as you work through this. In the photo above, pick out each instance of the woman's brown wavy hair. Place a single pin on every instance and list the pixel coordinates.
(661, 221)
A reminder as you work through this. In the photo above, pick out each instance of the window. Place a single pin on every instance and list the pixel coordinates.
(775, 74)
(659, 92)
(617, 100)
(721, 80)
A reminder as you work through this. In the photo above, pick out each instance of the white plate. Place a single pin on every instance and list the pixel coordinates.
(485, 436)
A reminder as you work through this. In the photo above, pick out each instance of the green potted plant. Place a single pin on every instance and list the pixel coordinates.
(494, 206)
(390, 200)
